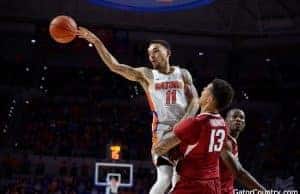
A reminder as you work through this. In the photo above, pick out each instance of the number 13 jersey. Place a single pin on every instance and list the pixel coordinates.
(202, 138)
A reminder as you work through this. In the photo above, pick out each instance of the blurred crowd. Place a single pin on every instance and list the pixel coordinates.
(67, 183)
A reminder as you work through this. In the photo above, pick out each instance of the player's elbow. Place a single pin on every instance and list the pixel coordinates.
(115, 67)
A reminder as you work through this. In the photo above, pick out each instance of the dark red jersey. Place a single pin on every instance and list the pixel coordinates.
(202, 138)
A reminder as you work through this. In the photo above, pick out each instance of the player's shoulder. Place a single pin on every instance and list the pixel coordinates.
(193, 120)
(209, 115)
(184, 71)
(202, 117)
(213, 119)
(228, 143)
(186, 75)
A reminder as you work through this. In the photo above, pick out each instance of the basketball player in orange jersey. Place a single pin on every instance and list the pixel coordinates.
(230, 167)
(170, 92)
(201, 140)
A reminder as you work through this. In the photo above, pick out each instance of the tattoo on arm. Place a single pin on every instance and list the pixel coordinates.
(130, 73)
(166, 144)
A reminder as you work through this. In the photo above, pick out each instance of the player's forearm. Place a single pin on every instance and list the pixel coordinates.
(248, 180)
(192, 108)
(106, 56)
(126, 71)
(165, 145)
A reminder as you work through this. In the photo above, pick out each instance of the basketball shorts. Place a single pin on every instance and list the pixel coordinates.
(173, 155)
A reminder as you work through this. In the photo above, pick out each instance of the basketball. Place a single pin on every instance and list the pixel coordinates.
(63, 29)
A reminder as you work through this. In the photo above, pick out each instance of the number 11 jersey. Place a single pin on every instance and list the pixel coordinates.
(167, 97)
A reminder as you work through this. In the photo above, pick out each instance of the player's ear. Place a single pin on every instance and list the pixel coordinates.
(212, 100)
(169, 52)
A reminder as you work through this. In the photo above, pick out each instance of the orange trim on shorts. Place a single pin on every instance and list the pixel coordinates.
(154, 119)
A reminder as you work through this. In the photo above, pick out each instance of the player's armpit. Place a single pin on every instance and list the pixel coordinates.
(167, 144)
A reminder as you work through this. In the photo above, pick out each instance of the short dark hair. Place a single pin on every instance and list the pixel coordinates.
(233, 110)
(161, 42)
(223, 93)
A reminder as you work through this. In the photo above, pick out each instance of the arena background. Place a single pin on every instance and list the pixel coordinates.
(61, 109)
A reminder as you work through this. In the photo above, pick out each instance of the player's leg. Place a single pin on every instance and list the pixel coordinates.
(163, 180)
(163, 177)
(198, 187)
(175, 178)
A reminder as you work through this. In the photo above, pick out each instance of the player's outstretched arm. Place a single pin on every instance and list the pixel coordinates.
(191, 94)
(242, 175)
(130, 73)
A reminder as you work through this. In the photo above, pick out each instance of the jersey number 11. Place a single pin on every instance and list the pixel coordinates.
(171, 97)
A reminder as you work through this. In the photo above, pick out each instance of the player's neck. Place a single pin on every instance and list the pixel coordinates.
(236, 136)
(209, 109)
(166, 69)
(233, 136)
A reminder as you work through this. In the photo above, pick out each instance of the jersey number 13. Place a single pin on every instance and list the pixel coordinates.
(216, 140)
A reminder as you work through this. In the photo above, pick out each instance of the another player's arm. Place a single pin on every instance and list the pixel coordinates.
(241, 174)
(130, 73)
(166, 144)
(191, 94)
(186, 131)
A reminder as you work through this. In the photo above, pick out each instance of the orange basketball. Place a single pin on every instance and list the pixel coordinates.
(63, 29)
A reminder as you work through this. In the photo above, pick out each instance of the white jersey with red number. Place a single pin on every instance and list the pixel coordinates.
(167, 100)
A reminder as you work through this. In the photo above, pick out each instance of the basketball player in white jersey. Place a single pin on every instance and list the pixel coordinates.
(113, 186)
(169, 89)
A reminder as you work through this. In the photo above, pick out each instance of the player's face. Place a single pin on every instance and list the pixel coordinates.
(205, 95)
(158, 55)
(236, 122)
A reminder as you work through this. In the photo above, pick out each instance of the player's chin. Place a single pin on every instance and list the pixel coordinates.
(155, 64)
(238, 126)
